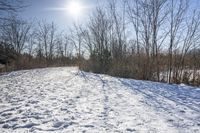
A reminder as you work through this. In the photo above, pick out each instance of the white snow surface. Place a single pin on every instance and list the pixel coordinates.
(67, 100)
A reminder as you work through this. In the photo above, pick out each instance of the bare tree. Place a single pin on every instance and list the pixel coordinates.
(99, 29)
(31, 44)
(133, 12)
(66, 45)
(46, 34)
(177, 12)
(191, 36)
(16, 33)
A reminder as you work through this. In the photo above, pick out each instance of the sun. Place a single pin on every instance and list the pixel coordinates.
(75, 8)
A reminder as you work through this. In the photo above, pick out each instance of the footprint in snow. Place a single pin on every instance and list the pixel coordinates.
(77, 97)
(130, 130)
(170, 120)
(57, 124)
(89, 126)
(28, 125)
(182, 111)
(9, 126)
(6, 114)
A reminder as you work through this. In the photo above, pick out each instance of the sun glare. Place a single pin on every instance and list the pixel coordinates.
(75, 8)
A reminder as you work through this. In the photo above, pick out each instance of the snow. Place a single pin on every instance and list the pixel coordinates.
(67, 100)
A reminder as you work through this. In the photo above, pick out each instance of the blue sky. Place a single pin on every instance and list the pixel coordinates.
(41, 10)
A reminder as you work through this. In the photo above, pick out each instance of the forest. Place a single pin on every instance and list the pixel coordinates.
(156, 40)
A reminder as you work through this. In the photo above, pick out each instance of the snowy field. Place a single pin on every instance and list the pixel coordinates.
(66, 100)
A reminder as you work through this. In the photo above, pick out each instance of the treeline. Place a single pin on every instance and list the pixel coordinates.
(24, 45)
(154, 40)
(144, 39)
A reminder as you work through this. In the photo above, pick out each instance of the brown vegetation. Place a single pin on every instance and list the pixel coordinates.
(154, 40)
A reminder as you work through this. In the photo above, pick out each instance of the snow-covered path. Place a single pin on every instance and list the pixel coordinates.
(66, 100)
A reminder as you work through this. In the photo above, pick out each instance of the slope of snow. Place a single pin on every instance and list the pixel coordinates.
(66, 100)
